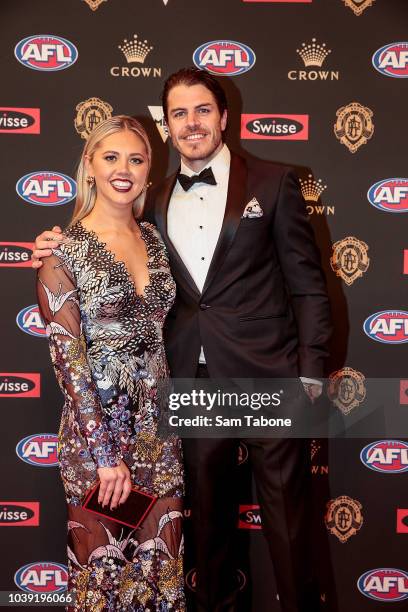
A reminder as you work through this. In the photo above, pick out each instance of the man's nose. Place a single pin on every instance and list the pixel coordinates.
(192, 118)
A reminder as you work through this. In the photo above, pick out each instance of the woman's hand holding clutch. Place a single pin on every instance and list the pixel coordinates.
(115, 485)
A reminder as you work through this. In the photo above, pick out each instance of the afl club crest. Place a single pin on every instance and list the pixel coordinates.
(358, 6)
(354, 125)
(349, 259)
(94, 4)
(89, 114)
(343, 518)
(346, 389)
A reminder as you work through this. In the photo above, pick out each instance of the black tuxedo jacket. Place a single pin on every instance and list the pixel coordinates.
(264, 310)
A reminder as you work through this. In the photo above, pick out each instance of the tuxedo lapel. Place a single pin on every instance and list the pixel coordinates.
(178, 268)
(237, 188)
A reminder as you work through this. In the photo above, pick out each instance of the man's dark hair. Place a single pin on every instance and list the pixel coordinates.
(194, 76)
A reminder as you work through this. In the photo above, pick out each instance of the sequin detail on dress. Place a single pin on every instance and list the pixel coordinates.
(107, 350)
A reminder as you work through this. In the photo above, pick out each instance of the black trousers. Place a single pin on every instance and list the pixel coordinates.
(282, 475)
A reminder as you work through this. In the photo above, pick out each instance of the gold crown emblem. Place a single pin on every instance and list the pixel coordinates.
(313, 54)
(311, 189)
(135, 50)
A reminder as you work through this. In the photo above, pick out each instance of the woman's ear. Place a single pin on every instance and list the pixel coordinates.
(88, 165)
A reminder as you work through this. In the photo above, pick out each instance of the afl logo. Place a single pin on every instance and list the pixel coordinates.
(384, 584)
(387, 456)
(46, 188)
(42, 577)
(29, 321)
(224, 57)
(46, 52)
(392, 60)
(39, 450)
(390, 195)
(388, 326)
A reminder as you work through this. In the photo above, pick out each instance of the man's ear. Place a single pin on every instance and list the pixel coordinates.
(224, 119)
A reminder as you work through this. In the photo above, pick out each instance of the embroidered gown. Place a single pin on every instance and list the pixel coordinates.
(107, 351)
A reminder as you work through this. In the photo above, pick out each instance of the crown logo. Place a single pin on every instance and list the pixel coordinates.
(313, 54)
(135, 50)
(311, 189)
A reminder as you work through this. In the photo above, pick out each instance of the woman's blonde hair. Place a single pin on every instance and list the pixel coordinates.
(86, 193)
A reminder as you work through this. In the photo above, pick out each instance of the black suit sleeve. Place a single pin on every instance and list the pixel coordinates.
(300, 262)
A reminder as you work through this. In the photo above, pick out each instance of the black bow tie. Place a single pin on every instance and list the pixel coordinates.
(205, 176)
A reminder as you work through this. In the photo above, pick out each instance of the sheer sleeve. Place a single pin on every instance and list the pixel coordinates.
(59, 307)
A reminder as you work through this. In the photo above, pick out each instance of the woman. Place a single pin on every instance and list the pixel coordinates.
(104, 295)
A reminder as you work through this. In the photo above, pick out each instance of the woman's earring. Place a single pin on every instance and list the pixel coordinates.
(90, 180)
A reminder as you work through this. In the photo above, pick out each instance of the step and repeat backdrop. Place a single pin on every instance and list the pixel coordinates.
(317, 84)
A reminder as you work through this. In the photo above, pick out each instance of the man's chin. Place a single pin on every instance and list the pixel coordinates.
(197, 152)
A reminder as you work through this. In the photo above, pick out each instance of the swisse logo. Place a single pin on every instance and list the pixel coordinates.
(39, 450)
(46, 52)
(275, 127)
(402, 520)
(191, 579)
(390, 195)
(249, 517)
(19, 120)
(384, 584)
(224, 57)
(387, 456)
(19, 385)
(42, 577)
(15, 254)
(19, 514)
(388, 326)
(29, 321)
(46, 188)
(392, 60)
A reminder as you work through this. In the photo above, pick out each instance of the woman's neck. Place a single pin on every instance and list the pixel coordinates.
(108, 219)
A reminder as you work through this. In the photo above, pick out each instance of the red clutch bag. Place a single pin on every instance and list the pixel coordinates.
(131, 513)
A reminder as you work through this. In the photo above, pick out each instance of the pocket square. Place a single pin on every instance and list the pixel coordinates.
(252, 210)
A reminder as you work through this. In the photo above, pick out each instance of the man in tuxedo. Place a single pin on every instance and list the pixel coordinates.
(251, 303)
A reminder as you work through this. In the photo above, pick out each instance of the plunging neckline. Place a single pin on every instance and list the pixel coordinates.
(121, 264)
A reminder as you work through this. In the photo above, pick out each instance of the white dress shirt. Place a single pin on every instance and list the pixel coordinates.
(194, 218)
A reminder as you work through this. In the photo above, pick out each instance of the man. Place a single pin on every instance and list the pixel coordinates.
(251, 303)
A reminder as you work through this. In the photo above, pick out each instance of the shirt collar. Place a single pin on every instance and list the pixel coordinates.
(220, 165)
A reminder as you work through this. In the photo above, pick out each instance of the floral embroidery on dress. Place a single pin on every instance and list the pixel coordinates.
(106, 346)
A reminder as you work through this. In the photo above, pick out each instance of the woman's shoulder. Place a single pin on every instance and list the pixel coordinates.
(75, 245)
(151, 229)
